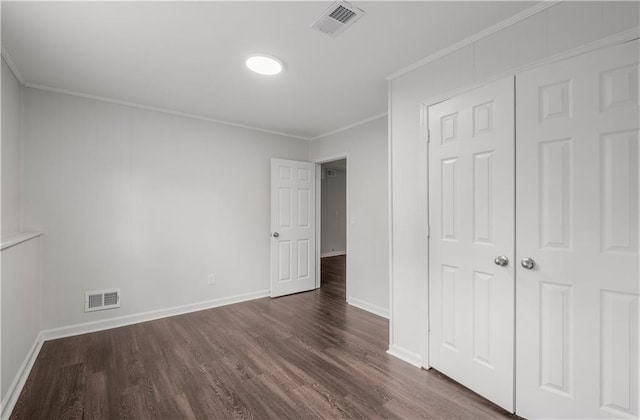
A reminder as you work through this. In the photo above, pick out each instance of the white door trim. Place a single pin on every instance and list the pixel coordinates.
(616, 39)
(319, 162)
(423, 185)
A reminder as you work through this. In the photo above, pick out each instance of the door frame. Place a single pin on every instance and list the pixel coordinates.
(318, 162)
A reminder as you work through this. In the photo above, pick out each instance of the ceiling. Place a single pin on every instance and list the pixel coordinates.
(189, 56)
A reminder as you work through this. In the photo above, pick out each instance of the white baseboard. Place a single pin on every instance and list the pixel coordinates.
(122, 321)
(366, 306)
(333, 254)
(11, 396)
(405, 355)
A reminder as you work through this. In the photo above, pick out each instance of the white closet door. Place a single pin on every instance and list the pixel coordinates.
(577, 218)
(471, 215)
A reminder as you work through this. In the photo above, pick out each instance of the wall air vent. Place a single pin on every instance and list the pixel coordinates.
(337, 18)
(98, 300)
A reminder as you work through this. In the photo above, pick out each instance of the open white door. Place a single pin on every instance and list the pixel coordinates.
(471, 248)
(577, 237)
(293, 227)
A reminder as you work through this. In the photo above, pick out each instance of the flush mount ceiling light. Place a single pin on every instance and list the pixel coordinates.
(264, 64)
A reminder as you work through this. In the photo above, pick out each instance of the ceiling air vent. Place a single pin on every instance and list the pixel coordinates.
(98, 300)
(337, 18)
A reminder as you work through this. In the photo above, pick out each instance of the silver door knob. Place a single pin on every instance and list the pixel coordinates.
(276, 234)
(502, 261)
(528, 263)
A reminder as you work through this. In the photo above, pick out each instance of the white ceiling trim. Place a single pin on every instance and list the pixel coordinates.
(163, 110)
(627, 35)
(347, 127)
(12, 65)
(474, 38)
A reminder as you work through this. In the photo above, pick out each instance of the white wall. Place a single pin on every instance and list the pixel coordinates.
(367, 253)
(145, 201)
(21, 313)
(11, 153)
(333, 237)
(20, 269)
(559, 28)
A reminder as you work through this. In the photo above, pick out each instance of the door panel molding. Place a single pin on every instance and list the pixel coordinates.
(471, 208)
(293, 229)
(613, 238)
(577, 206)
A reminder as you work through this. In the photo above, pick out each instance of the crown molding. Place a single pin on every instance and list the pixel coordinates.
(476, 37)
(162, 110)
(627, 35)
(461, 44)
(347, 127)
(12, 65)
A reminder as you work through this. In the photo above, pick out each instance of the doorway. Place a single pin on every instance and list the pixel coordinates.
(332, 215)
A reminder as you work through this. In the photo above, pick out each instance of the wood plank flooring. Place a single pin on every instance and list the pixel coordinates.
(302, 356)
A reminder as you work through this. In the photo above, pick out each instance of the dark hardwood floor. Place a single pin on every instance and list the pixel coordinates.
(303, 356)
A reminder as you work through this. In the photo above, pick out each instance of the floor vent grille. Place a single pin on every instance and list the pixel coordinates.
(98, 300)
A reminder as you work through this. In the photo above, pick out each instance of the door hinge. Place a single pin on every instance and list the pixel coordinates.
(428, 231)
(428, 136)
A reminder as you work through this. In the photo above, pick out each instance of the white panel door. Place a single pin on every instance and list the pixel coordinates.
(577, 219)
(293, 227)
(471, 215)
